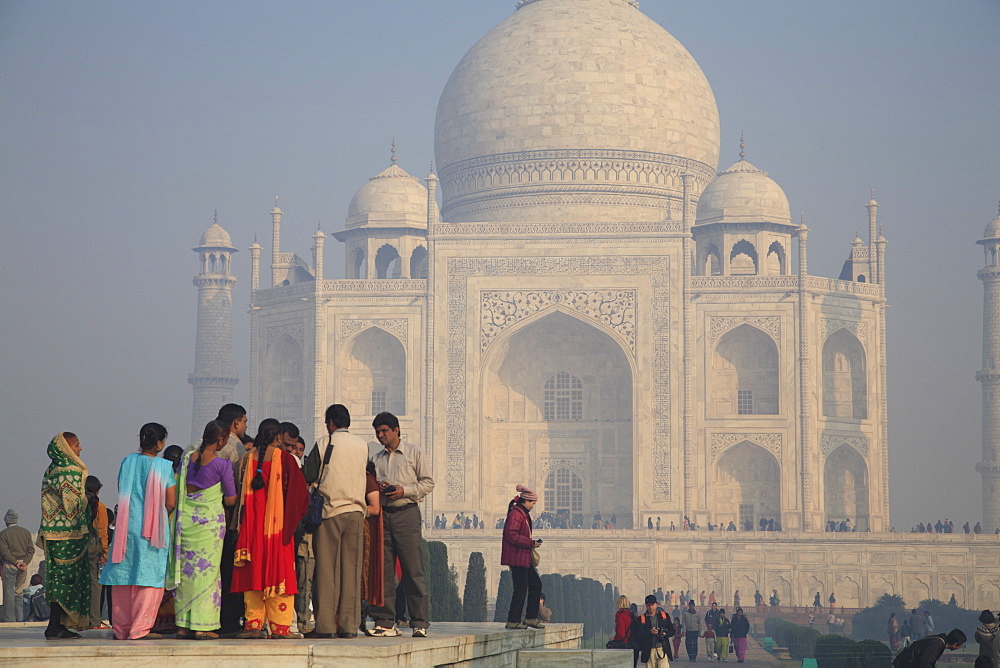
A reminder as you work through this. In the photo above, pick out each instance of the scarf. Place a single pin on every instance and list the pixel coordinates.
(64, 496)
(154, 524)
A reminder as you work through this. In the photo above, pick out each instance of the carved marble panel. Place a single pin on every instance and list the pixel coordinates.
(770, 442)
(720, 324)
(395, 326)
(830, 442)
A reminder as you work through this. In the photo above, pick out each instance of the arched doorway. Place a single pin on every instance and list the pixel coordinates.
(557, 414)
(747, 486)
(387, 262)
(845, 484)
(373, 377)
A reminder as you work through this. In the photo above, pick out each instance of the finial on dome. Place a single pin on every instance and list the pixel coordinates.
(392, 157)
(432, 166)
(318, 228)
(255, 237)
(998, 209)
(216, 220)
(275, 201)
(743, 146)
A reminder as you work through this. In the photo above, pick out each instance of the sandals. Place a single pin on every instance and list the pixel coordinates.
(206, 635)
(184, 635)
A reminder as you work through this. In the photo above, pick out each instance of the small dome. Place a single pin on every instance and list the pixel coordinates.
(216, 237)
(857, 241)
(992, 229)
(743, 194)
(389, 196)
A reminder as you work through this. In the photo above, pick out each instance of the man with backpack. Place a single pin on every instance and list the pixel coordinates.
(924, 653)
(651, 632)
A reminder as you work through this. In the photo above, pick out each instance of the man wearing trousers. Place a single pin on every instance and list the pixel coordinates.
(16, 552)
(692, 623)
(338, 543)
(404, 478)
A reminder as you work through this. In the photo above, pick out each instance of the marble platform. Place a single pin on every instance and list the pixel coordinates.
(469, 645)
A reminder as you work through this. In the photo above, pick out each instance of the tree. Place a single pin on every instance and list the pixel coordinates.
(474, 596)
(505, 590)
(442, 584)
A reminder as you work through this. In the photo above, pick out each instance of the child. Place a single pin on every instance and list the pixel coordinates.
(709, 642)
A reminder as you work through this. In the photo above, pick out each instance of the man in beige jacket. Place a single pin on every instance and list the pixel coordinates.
(338, 543)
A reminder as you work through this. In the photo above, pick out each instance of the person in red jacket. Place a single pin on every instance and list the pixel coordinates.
(516, 553)
(623, 629)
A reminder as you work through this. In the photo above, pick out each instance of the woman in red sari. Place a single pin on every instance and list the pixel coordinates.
(273, 499)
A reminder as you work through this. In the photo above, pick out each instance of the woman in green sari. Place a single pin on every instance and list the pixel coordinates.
(63, 535)
(206, 482)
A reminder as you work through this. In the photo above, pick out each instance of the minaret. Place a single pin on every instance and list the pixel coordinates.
(275, 240)
(432, 207)
(255, 249)
(318, 240)
(213, 379)
(989, 376)
(873, 266)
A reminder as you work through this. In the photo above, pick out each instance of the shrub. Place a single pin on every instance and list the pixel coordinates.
(871, 654)
(834, 652)
(801, 641)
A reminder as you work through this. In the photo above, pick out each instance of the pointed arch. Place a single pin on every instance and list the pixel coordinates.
(743, 259)
(388, 264)
(776, 263)
(418, 262)
(357, 267)
(846, 487)
(284, 380)
(712, 261)
(845, 382)
(744, 374)
(556, 392)
(373, 377)
(746, 485)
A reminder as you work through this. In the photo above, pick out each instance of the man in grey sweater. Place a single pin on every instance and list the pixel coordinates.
(692, 623)
(16, 552)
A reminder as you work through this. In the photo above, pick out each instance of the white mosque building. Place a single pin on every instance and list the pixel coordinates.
(595, 310)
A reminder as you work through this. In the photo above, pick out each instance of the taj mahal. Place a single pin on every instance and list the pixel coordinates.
(590, 296)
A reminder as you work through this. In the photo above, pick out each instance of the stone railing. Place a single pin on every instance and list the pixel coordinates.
(814, 283)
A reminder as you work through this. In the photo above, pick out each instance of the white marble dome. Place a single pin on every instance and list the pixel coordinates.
(391, 196)
(216, 237)
(574, 110)
(992, 229)
(743, 194)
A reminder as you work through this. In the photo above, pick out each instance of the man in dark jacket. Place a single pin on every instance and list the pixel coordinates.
(651, 632)
(924, 653)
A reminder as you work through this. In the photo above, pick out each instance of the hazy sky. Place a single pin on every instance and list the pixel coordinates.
(124, 125)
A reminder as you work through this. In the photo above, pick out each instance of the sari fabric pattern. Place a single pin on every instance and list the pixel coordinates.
(199, 530)
(265, 550)
(64, 532)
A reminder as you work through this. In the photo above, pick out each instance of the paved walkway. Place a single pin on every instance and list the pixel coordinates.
(756, 657)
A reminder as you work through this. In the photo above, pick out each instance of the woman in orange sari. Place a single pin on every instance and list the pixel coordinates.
(273, 500)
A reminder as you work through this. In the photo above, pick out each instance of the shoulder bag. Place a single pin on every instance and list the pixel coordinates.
(314, 512)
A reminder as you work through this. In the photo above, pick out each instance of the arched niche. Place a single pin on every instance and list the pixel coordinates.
(373, 373)
(743, 259)
(387, 262)
(845, 384)
(776, 263)
(284, 381)
(845, 487)
(418, 262)
(586, 378)
(744, 371)
(746, 485)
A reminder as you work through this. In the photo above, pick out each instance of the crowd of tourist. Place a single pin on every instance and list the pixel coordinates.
(947, 526)
(233, 537)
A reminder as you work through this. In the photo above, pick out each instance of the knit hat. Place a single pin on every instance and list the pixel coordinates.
(11, 516)
(526, 493)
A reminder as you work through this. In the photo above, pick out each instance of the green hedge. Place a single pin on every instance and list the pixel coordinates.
(871, 654)
(834, 652)
(800, 640)
(474, 597)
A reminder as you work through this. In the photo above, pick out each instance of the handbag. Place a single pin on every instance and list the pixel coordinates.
(617, 644)
(314, 511)
(535, 558)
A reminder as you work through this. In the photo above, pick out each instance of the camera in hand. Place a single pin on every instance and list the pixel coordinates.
(539, 540)
(390, 489)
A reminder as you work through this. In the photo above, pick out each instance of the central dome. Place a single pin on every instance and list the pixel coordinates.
(575, 111)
